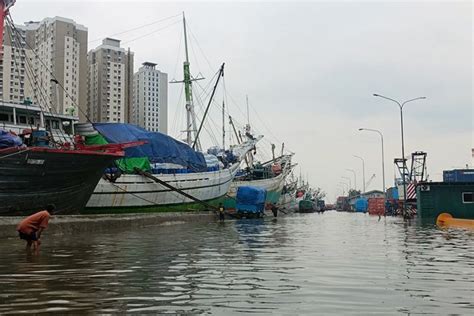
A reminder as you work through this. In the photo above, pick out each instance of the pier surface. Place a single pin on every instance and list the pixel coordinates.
(74, 224)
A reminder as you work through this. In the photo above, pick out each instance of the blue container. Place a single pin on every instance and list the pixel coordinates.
(250, 199)
(458, 175)
(392, 193)
(361, 205)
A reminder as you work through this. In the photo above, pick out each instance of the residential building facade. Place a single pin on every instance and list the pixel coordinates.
(48, 55)
(15, 85)
(110, 82)
(150, 98)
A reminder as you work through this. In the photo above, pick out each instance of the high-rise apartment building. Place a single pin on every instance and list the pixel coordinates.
(110, 82)
(150, 98)
(15, 85)
(46, 52)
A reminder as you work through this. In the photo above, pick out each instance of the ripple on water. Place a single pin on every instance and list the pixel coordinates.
(332, 263)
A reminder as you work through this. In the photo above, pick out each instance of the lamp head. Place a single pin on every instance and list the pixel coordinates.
(361, 129)
(376, 95)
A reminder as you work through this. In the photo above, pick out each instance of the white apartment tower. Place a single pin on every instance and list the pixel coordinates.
(150, 98)
(40, 53)
(110, 83)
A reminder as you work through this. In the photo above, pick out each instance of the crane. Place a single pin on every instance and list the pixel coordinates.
(370, 181)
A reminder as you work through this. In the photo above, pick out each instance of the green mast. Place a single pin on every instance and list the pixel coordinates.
(191, 128)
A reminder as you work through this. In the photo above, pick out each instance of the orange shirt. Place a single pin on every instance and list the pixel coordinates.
(34, 222)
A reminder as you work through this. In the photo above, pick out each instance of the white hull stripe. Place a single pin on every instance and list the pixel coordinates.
(160, 191)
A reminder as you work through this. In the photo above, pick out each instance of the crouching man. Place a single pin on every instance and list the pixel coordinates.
(30, 228)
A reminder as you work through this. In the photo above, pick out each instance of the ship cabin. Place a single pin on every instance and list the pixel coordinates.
(17, 118)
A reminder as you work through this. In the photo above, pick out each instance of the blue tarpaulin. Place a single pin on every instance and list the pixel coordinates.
(160, 148)
(250, 199)
(9, 140)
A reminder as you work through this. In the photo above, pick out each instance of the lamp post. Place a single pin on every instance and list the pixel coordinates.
(400, 105)
(345, 186)
(383, 159)
(355, 178)
(350, 183)
(363, 172)
(342, 188)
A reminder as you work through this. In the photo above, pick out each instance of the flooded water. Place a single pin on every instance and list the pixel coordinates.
(332, 263)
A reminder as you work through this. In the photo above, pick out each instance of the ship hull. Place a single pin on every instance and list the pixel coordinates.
(288, 201)
(136, 193)
(33, 178)
(273, 186)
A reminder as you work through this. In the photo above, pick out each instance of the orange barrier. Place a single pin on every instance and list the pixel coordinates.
(447, 220)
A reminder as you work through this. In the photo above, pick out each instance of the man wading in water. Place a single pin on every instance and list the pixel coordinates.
(30, 228)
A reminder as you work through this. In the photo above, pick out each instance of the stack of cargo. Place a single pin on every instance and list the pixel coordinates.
(376, 206)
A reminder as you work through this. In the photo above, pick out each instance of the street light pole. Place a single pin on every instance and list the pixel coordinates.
(400, 105)
(363, 172)
(383, 159)
(345, 186)
(343, 189)
(350, 183)
(355, 178)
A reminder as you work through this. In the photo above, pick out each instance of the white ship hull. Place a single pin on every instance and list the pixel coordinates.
(137, 191)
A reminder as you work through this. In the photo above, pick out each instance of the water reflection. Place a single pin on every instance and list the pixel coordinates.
(328, 263)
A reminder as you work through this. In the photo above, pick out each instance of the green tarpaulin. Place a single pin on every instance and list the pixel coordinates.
(127, 165)
(96, 140)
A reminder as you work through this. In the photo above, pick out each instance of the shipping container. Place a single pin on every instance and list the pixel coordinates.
(458, 175)
(361, 205)
(392, 193)
(456, 199)
(376, 206)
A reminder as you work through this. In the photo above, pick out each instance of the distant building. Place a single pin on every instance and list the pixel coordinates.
(58, 50)
(110, 82)
(150, 100)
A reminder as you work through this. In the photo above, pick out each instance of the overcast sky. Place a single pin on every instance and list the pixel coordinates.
(310, 69)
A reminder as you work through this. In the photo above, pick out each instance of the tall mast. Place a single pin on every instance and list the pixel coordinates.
(248, 115)
(196, 137)
(190, 115)
(223, 125)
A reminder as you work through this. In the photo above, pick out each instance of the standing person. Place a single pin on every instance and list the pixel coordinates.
(274, 210)
(30, 228)
(221, 212)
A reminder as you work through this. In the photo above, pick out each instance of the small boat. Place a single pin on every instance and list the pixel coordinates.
(306, 206)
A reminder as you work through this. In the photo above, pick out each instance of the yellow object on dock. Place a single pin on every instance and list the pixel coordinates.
(447, 220)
